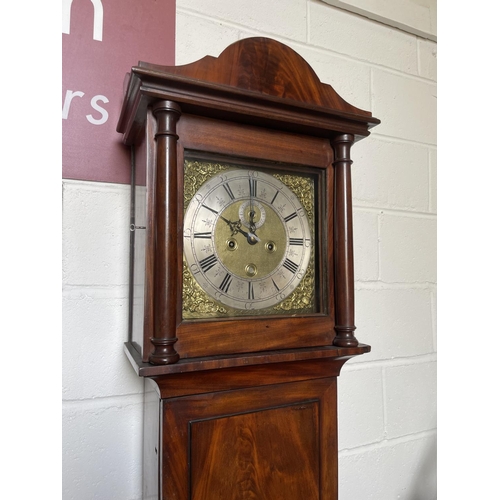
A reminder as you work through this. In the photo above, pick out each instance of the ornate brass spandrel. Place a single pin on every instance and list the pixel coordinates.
(303, 189)
(196, 173)
(302, 300)
(195, 302)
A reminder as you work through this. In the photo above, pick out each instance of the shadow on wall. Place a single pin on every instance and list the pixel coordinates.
(425, 479)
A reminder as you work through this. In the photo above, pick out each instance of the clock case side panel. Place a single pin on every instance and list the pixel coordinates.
(142, 240)
(228, 336)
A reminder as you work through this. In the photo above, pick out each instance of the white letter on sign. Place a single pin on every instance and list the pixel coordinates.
(98, 18)
(101, 110)
(67, 101)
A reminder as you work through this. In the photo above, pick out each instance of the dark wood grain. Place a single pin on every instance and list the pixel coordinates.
(243, 377)
(279, 439)
(267, 67)
(212, 136)
(272, 453)
(257, 81)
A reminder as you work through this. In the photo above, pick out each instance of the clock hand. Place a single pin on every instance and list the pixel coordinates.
(252, 238)
(252, 223)
(235, 227)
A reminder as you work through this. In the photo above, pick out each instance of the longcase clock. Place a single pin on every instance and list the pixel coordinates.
(241, 282)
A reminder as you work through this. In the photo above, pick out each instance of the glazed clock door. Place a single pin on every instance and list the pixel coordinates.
(256, 262)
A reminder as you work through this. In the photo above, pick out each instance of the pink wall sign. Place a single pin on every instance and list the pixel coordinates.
(102, 40)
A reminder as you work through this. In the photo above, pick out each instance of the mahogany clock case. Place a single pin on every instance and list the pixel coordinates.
(239, 405)
(248, 106)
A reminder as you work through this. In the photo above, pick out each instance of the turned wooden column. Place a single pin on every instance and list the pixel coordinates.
(166, 263)
(343, 243)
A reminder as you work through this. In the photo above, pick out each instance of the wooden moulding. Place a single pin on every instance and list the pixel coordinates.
(205, 364)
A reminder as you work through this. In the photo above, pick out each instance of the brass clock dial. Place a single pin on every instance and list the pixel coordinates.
(247, 240)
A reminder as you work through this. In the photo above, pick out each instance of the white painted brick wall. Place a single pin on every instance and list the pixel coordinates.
(95, 216)
(102, 448)
(402, 468)
(361, 407)
(282, 18)
(350, 78)
(396, 321)
(408, 106)
(387, 399)
(362, 39)
(407, 248)
(102, 396)
(392, 174)
(410, 393)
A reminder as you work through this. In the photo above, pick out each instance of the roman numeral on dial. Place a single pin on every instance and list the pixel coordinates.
(274, 197)
(207, 235)
(296, 241)
(251, 295)
(228, 191)
(211, 209)
(253, 187)
(291, 266)
(288, 218)
(226, 283)
(208, 262)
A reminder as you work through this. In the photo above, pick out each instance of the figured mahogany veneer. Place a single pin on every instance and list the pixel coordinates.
(277, 441)
(239, 408)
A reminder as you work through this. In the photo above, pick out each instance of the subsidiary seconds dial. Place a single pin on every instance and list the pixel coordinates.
(247, 239)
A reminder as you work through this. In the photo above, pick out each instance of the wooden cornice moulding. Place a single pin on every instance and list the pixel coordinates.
(256, 80)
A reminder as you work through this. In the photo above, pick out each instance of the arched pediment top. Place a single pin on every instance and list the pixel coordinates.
(257, 81)
(265, 66)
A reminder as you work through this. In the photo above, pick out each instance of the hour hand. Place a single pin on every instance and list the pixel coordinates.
(252, 238)
(236, 228)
